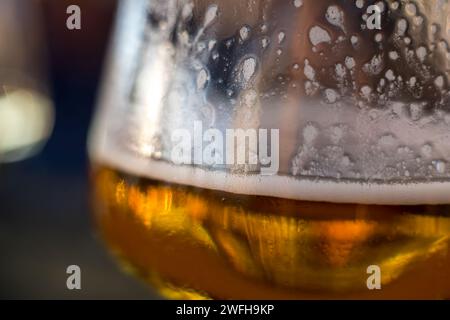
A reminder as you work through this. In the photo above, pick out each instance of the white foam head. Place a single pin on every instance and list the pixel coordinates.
(277, 186)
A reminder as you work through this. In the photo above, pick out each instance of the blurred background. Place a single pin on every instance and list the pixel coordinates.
(45, 221)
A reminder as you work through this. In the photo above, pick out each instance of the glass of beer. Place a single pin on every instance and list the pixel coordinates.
(278, 149)
(26, 111)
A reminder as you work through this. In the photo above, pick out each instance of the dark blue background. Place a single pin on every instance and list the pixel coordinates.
(45, 221)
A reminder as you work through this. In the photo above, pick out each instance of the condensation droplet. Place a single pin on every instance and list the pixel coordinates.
(375, 66)
(390, 75)
(211, 44)
(298, 3)
(187, 10)
(340, 71)
(250, 98)
(366, 91)
(244, 33)
(440, 166)
(416, 110)
(211, 15)
(310, 134)
(318, 35)
(350, 62)
(411, 9)
(264, 28)
(248, 68)
(359, 4)
(418, 20)
(202, 79)
(281, 37)
(439, 82)
(393, 55)
(335, 16)
(309, 71)
(378, 37)
(331, 95)
(387, 140)
(421, 53)
(402, 25)
(427, 150)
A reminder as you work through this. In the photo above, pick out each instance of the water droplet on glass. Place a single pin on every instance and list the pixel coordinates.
(244, 33)
(318, 35)
(281, 37)
(248, 68)
(211, 44)
(202, 79)
(359, 4)
(402, 25)
(331, 96)
(211, 15)
(298, 3)
(310, 134)
(426, 150)
(393, 55)
(421, 53)
(411, 9)
(439, 82)
(349, 62)
(440, 166)
(335, 16)
(309, 71)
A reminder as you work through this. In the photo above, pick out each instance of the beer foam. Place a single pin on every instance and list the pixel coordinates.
(288, 187)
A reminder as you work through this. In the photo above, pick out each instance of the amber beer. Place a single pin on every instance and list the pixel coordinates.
(194, 243)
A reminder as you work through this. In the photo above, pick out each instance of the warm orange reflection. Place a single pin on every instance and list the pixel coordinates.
(195, 243)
